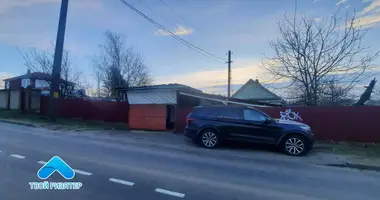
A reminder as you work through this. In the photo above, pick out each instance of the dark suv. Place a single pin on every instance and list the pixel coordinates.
(210, 125)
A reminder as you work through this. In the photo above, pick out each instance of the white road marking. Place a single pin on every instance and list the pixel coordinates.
(168, 192)
(82, 172)
(121, 181)
(76, 170)
(17, 156)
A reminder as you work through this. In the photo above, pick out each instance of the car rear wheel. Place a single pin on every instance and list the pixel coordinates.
(295, 145)
(209, 138)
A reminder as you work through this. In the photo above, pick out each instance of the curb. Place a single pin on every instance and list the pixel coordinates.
(363, 166)
(151, 132)
(17, 123)
(356, 166)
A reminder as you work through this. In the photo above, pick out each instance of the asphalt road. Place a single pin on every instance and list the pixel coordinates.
(115, 170)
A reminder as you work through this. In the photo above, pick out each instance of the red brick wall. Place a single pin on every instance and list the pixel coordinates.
(353, 124)
(148, 117)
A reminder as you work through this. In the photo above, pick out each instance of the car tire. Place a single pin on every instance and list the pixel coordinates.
(209, 138)
(295, 145)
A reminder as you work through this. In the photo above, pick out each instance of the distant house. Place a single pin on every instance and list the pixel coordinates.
(36, 80)
(253, 90)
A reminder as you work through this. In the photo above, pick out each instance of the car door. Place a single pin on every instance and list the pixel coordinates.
(255, 127)
(229, 118)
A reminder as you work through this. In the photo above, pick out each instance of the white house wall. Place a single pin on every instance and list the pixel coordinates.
(36, 98)
(15, 99)
(152, 97)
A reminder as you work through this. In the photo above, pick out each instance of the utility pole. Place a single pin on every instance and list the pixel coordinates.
(229, 74)
(98, 83)
(56, 74)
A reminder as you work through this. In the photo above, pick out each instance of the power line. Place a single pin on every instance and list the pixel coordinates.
(175, 12)
(188, 44)
(149, 8)
(172, 10)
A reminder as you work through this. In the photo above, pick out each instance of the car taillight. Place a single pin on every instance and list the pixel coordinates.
(188, 120)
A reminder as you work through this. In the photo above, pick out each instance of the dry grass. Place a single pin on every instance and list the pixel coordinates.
(69, 124)
(351, 148)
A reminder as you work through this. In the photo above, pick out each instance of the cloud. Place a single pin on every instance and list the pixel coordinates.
(27, 26)
(9, 4)
(315, 1)
(317, 19)
(179, 30)
(375, 4)
(241, 72)
(4, 75)
(370, 15)
(367, 21)
(341, 2)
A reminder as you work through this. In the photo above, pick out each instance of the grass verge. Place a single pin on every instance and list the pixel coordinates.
(69, 124)
(370, 150)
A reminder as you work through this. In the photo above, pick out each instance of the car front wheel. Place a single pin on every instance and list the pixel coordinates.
(209, 138)
(295, 145)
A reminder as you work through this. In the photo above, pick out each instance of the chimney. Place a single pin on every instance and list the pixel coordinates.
(257, 80)
(28, 72)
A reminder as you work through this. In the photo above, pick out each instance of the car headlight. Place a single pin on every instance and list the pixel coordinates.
(305, 127)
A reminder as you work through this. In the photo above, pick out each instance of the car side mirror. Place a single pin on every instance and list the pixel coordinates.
(267, 121)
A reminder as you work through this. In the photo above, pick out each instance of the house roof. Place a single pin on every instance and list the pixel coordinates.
(253, 90)
(152, 97)
(35, 75)
(172, 86)
(223, 99)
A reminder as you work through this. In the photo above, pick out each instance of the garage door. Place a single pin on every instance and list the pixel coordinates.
(147, 117)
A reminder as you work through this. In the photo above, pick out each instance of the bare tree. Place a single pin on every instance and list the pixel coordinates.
(120, 66)
(332, 93)
(42, 61)
(321, 58)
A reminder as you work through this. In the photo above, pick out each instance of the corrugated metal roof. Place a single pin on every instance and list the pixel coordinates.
(225, 100)
(152, 97)
(172, 86)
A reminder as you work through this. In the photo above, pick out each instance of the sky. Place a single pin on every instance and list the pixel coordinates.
(243, 26)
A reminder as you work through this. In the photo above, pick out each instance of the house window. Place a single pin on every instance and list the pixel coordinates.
(7, 85)
(41, 84)
(25, 83)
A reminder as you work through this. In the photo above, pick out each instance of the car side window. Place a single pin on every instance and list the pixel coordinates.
(253, 115)
(230, 113)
